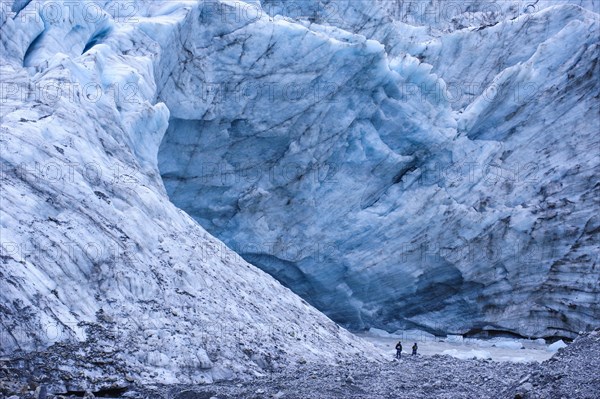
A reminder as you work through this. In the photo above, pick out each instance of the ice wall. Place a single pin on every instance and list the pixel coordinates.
(397, 171)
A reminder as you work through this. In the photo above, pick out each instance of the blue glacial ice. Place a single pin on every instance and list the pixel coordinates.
(398, 172)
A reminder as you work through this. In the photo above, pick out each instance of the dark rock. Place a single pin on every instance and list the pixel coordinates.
(41, 392)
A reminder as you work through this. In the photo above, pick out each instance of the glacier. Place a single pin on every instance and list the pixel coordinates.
(93, 250)
(394, 165)
(411, 171)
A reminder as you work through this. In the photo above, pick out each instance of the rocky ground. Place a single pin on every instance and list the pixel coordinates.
(413, 377)
(571, 373)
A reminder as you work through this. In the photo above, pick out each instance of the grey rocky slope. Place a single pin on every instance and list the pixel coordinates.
(570, 373)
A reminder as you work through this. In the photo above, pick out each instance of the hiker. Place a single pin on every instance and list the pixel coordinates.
(398, 350)
(415, 347)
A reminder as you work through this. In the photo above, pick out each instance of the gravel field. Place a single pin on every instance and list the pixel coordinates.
(413, 377)
(572, 373)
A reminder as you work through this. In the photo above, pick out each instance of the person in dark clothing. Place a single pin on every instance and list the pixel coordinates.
(398, 350)
(414, 348)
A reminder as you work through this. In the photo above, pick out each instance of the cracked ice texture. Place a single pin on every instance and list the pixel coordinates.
(89, 236)
(397, 171)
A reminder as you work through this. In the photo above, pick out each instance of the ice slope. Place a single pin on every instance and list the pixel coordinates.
(400, 23)
(456, 194)
(92, 248)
